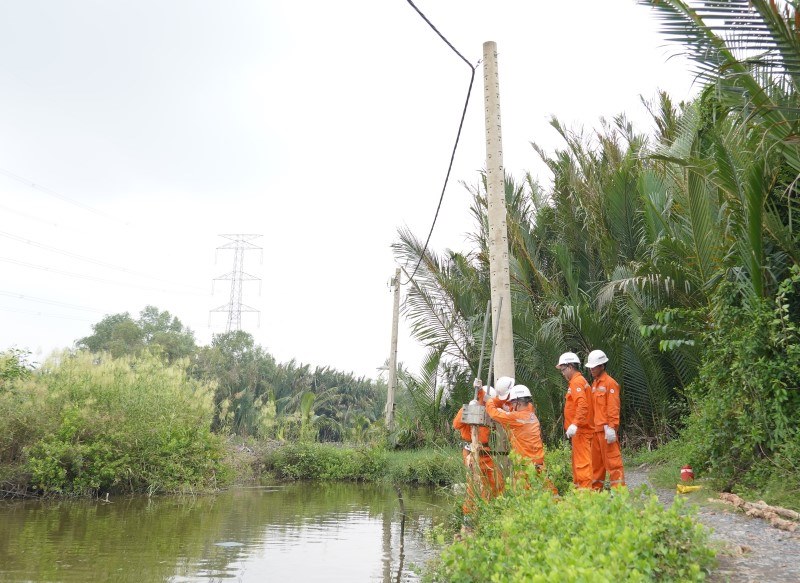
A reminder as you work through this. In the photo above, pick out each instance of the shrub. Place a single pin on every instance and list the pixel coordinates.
(745, 400)
(317, 461)
(14, 364)
(84, 423)
(431, 466)
(558, 464)
(531, 536)
(322, 461)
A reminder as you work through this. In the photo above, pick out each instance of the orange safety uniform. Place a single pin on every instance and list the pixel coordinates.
(522, 428)
(524, 432)
(578, 411)
(606, 457)
(491, 476)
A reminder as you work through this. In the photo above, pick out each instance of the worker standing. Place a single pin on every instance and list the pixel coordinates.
(606, 455)
(578, 418)
(521, 425)
(490, 475)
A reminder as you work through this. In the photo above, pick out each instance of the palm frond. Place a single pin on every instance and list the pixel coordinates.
(747, 66)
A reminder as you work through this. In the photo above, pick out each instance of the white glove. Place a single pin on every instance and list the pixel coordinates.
(477, 384)
(611, 435)
(572, 430)
(473, 402)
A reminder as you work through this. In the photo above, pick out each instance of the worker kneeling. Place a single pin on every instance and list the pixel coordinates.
(522, 426)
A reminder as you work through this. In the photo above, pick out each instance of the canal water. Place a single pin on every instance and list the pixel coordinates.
(297, 533)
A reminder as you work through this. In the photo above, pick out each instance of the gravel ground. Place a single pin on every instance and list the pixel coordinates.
(750, 550)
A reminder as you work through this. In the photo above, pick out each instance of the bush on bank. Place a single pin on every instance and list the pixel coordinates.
(743, 428)
(741, 434)
(435, 466)
(558, 467)
(530, 536)
(325, 461)
(85, 423)
(318, 461)
(429, 466)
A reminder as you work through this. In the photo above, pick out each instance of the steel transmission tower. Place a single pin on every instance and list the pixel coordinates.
(235, 307)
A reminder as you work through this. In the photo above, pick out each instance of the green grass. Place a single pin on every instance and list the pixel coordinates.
(328, 462)
(425, 466)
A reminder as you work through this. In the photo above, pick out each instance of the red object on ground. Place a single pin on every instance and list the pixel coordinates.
(687, 474)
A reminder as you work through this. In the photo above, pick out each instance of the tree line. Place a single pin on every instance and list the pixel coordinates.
(254, 395)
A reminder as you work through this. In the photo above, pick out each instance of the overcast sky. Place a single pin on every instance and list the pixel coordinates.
(134, 132)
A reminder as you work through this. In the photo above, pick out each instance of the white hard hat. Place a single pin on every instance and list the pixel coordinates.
(568, 358)
(490, 392)
(503, 386)
(596, 357)
(519, 391)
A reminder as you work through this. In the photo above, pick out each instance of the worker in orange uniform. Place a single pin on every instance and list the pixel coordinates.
(578, 418)
(521, 425)
(503, 386)
(491, 477)
(606, 456)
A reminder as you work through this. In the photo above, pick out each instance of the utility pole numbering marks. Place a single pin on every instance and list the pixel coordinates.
(237, 276)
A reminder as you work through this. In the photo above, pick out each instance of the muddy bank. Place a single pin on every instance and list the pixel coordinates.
(749, 549)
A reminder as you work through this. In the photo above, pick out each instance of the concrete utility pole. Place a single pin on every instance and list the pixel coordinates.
(498, 230)
(393, 353)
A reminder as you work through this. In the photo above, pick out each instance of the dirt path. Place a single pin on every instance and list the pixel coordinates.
(750, 550)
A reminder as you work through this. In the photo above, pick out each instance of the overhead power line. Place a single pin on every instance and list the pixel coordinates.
(28, 298)
(90, 278)
(458, 135)
(34, 218)
(90, 259)
(58, 195)
(37, 313)
(86, 207)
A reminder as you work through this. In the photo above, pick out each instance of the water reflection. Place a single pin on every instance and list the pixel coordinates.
(297, 533)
